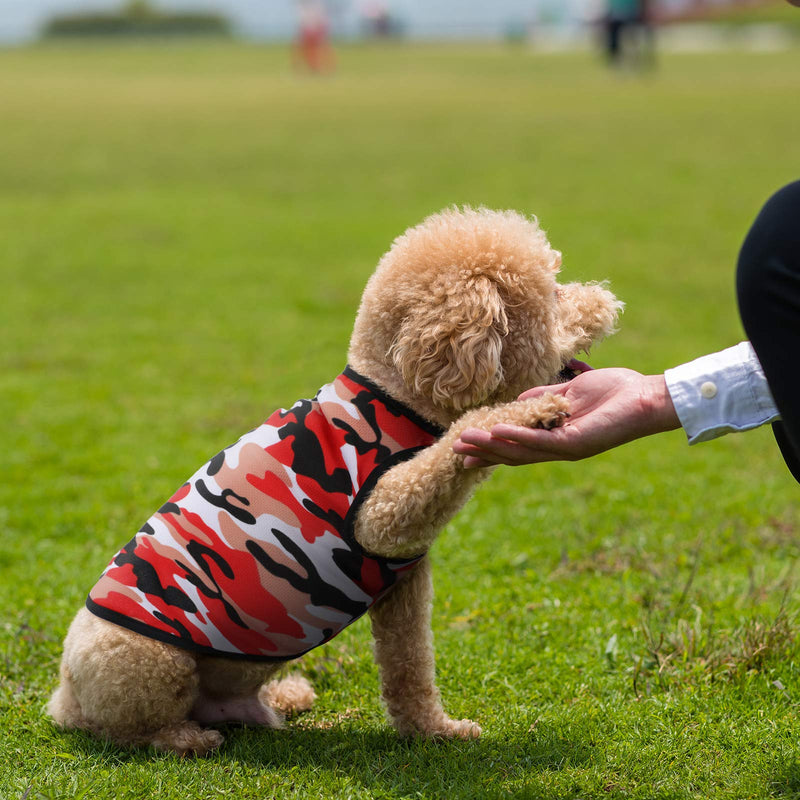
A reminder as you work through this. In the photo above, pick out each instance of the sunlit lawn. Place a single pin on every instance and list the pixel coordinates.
(184, 235)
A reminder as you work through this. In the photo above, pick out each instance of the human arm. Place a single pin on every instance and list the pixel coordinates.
(709, 397)
(721, 393)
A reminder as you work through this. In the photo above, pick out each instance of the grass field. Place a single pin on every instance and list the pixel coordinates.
(184, 235)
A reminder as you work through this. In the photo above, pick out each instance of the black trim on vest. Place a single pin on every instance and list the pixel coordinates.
(364, 492)
(117, 618)
(395, 406)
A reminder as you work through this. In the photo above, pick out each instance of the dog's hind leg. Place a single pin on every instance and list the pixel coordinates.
(404, 653)
(238, 691)
(129, 689)
(186, 738)
(290, 695)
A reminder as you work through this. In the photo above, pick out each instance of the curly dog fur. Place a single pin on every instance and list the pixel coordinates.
(462, 314)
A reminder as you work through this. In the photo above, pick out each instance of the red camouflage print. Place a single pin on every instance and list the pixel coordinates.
(255, 556)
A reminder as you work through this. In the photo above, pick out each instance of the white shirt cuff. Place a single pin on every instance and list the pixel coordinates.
(721, 393)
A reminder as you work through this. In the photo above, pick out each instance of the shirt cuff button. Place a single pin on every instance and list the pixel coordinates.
(708, 390)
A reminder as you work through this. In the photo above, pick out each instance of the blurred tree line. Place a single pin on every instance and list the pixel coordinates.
(137, 18)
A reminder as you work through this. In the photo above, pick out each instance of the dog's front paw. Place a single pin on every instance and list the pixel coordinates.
(548, 411)
(446, 728)
(459, 729)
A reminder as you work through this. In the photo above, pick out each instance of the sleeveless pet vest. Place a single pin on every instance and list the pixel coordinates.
(255, 555)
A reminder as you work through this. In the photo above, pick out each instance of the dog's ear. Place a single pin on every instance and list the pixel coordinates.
(449, 345)
(587, 312)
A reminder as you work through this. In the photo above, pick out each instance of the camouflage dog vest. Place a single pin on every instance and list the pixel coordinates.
(255, 555)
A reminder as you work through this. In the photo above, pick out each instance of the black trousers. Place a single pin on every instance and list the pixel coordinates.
(768, 289)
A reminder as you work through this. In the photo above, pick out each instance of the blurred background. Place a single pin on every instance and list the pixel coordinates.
(691, 23)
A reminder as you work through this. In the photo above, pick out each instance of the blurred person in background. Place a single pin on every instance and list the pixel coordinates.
(313, 49)
(628, 29)
(740, 388)
(375, 19)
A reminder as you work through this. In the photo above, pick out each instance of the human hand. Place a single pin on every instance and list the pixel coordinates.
(608, 407)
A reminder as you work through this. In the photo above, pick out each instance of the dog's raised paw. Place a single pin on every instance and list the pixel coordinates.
(548, 411)
(554, 420)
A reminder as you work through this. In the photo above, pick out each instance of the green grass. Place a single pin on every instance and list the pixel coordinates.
(185, 233)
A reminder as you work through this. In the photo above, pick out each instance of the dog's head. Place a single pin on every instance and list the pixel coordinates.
(465, 310)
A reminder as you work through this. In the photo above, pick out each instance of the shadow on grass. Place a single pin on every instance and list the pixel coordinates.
(382, 763)
(787, 782)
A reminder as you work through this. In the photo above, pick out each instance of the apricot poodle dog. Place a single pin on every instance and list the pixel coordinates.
(327, 510)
